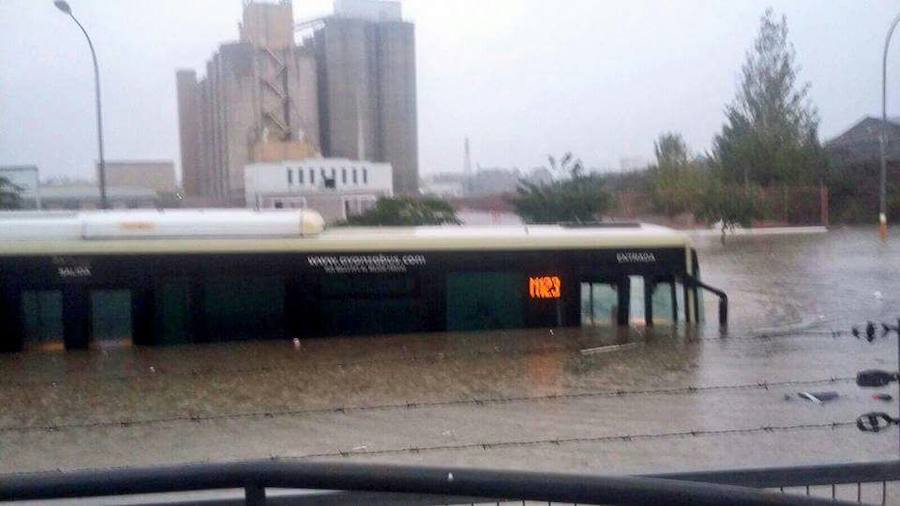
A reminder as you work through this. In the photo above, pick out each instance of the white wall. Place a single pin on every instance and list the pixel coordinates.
(265, 183)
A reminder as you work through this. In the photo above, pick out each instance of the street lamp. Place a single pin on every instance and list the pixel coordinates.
(64, 7)
(882, 216)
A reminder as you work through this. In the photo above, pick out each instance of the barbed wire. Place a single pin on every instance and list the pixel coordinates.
(625, 438)
(197, 418)
(486, 446)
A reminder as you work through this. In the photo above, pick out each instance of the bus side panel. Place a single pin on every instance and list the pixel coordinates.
(12, 337)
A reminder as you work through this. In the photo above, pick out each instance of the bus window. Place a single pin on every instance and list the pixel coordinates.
(42, 319)
(244, 307)
(599, 303)
(111, 317)
(636, 312)
(173, 304)
(662, 303)
(485, 300)
(357, 304)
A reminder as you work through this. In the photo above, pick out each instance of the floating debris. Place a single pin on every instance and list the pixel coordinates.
(792, 328)
(818, 397)
(609, 349)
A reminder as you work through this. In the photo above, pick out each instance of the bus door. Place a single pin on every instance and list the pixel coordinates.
(42, 319)
(600, 302)
(666, 300)
(111, 317)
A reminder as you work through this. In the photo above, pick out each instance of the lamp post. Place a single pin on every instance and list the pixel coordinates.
(64, 7)
(882, 197)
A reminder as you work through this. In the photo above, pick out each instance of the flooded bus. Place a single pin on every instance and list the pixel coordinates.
(77, 280)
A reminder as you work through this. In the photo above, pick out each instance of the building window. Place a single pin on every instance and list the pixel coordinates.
(358, 204)
(290, 175)
(365, 175)
(333, 174)
(354, 175)
(322, 173)
(300, 175)
(312, 176)
(284, 203)
(343, 175)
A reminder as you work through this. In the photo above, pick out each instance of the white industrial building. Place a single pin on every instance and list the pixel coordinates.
(335, 187)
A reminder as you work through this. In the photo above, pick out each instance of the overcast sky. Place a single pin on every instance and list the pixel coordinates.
(521, 78)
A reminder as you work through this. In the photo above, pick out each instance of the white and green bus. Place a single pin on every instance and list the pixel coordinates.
(74, 280)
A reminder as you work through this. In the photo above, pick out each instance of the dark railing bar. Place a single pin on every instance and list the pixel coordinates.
(723, 298)
(329, 498)
(796, 476)
(534, 486)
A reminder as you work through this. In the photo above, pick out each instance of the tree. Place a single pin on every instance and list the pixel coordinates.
(9, 194)
(677, 181)
(728, 205)
(407, 211)
(771, 129)
(571, 196)
(671, 152)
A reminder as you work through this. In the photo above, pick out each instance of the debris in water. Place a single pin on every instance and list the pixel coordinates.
(818, 397)
(610, 348)
(791, 328)
(152, 369)
(877, 294)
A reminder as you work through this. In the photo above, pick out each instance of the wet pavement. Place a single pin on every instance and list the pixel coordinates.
(514, 399)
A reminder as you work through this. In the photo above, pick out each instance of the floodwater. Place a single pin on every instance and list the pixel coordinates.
(672, 401)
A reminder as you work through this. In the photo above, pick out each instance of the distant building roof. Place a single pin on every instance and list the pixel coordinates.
(93, 192)
(369, 10)
(156, 175)
(862, 141)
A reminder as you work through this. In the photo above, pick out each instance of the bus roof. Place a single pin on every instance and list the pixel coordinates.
(374, 239)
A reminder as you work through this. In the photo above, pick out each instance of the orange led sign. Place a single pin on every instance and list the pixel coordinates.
(545, 287)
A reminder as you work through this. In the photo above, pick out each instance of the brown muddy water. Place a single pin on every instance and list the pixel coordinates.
(675, 400)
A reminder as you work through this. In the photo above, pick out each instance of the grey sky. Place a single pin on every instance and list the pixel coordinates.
(520, 78)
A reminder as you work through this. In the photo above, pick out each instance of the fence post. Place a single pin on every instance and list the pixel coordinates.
(823, 202)
(786, 216)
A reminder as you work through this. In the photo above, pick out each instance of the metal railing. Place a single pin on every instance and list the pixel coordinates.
(350, 483)
(803, 479)
(723, 298)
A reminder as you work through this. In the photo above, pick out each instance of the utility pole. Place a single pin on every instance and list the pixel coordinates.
(882, 196)
(64, 7)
